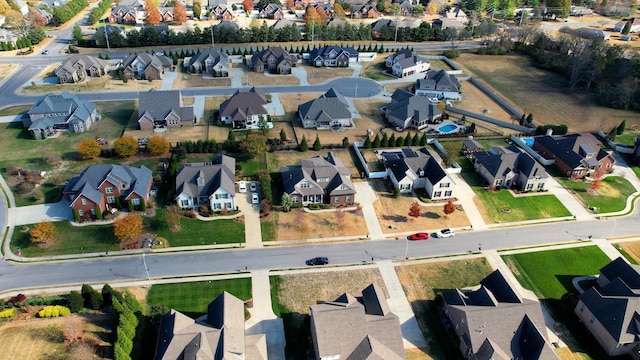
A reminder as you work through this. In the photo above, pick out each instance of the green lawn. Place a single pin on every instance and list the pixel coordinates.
(268, 228)
(14, 110)
(628, 138)
(192, 298)
(549, 273)
(521, 208)
(611, 195)
(69, 240)
(197, 232)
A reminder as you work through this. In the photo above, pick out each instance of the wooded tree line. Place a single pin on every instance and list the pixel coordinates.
(62, 14)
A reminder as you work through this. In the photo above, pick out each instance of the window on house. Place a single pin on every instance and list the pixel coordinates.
(540, 185)
(582, 308)
(135, 201)
(93, 211)
(592, 320)
(336, 199)
(437, 194)
(448, 193)
(217, 206)
(81, 212)
(184, 203)
(529, 186)
(347, 199)
(304, 185)
(111, 199)
(295, 199)
(84, 201)
(405, 186)
(444, 185)
(109, 190)
(228, 205)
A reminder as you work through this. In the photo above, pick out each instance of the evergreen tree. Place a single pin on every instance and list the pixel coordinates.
(317, 146)
(303, 144)
(399, 141)
(423, 139)
(621, 127)
(627, 28)
(385, 140)
(415, 141)
(376, 141)
(367, 143)
(392, 140)
(407, 140)
(529, 119)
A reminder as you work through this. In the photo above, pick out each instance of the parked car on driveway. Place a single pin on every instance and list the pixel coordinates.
(242, 186)
(445, 233)
(254, 186)
(255, 199)
(317, 261)
(418, 236)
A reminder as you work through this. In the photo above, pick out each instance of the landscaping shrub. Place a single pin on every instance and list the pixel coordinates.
(76, 301)
(92, 298)
(4, 314)
(53, 311)
(451, 54)
(20, 298)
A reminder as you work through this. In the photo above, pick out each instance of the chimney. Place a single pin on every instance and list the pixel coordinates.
(549, 132)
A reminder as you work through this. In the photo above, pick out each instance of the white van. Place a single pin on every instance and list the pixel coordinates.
(242, 186)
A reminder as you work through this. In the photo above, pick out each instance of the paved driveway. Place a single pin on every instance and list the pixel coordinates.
(33, 214)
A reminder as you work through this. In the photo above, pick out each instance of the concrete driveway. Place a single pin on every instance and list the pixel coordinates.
(34, 214)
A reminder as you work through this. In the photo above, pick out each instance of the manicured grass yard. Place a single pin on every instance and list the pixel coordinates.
(196, 232)
(69, 240)
(192, 298)
(610, 196)
(520, 208)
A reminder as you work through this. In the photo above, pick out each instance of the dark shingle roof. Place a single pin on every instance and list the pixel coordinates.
(159, 103)
(129, 180)
(218, 174)
(60, 109)
(213, 55)
(326, 175)
(245, 103)
(438, 80)
(330, 105)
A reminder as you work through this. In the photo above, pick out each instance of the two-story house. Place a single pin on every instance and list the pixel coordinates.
(271, 11)
(76, 68)
(207, 184)
(409, 170)
(405, 63)
(365, 12)
(274, 59)
(59, 112)
(209, 62)
(162, 109)
(146, 66)
(329, 111)
(575, 155)
(508, 167)
(124, 14)
(333, 56)
(221, 12)
(105, 187)
(409, 111)
(438, 84)
(244, 109)
(319, 180)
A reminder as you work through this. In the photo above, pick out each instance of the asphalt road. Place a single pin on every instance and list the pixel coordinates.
(128, 268)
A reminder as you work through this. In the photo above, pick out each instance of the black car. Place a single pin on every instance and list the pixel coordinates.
(317, 261)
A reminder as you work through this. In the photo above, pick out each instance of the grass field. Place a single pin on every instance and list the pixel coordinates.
(544, 94)
(192, 298)
(424, 283)
(492, 203)
(628, 137)
(610, 196)
(68, 240)
(318, 225)
(293, 294)
(316, 75)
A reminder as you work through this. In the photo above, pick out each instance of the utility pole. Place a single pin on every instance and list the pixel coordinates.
(395, 38)
(212, 44)
(106, 35)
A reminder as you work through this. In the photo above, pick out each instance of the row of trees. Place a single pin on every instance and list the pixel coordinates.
(125, 146)
(98, 12)
(64, 13)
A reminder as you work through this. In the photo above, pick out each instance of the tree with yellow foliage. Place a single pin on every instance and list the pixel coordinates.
(157, 145)
(88, 149)
(127, 227)
(153, 14)
(42, 232)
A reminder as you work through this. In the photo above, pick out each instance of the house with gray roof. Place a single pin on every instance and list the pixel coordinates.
(124, 14)
(409, 111)
(7, 36)
(319, 180)
(207, 184)
(508, 167)
(406, 63)
(218, 335)
(493, 321)
(77, 68)
(610, 309)
(470, 146)
(106, 186)
(227, 25)
(575, 155)
(366, 11)
(158, 109)
(329, 111)
(244, 109)
(409, 170)
(438, 84)
(59, 112)
(146, 66)
(273, 59)
(356, 328)
(333, 56)
(209, 62)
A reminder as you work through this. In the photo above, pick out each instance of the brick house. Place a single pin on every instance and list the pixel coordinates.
(274, 59)
(162, 109)
(146, 66)
(333, 56)
(106, 186)
(319, 180)
(77, 68)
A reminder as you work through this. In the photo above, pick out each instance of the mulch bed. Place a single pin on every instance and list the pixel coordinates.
(138, 242)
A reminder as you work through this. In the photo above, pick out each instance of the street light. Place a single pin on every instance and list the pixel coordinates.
(406, 250)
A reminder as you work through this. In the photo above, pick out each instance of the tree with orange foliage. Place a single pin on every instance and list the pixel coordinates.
(449, 208)
(414, 210)
(324, 18)
(88, 149)
(248, 5)
(311, 17)
(127, 227)
(153, 14)
(42, 232)
(157, 145)
(597, 178)
(179, 12)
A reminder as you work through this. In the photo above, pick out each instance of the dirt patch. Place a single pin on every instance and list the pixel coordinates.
(6, 69)
(298, 292)
(139, 292)
(257, 79)
(316, 75)
(185, 80)
(173, 135)
(298, 224)
(632, 248)
(543, 93)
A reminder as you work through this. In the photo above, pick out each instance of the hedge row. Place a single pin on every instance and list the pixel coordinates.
(54, 311)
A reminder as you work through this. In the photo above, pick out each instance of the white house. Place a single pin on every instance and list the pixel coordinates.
(409, 170)
(405, 62)
(207, 184)
(635, 25)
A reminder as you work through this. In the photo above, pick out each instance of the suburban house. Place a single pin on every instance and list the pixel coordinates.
(405, 63)
(20, 6)
(159, 109)
(59, 112)
(146, 66)
(609, 309)
(379, 26)
(458, 15)
(210, 62)
(325, 7)
(329, 111)
(166, 14)
(76, 68)
(508, 167)
(493, 321)
(575, 155)
(221, 12)
(438, 84)
(274, 59)
(108, 187)
(356, 328)
(408, 111)
(207, 184)
(244, 109)
(365, 12)
(634, 24)
(409, 170)
(271, 11)
(220, 334)
(333, 56)
(406, 8)
(319, 180)
(8, 37)
(124, 14)
(470, 146)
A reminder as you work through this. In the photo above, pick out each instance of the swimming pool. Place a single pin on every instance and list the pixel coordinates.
(528, 141)
(447, 128)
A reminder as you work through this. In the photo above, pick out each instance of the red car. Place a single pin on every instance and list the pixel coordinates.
(419, 236)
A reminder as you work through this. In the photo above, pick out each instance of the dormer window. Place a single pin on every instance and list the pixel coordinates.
(304, 185)
(200, 181)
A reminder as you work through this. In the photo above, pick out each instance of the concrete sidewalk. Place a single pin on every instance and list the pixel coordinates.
(263, 320)
(572, 204)
(465, 196)
(366, 196)
(399, 305)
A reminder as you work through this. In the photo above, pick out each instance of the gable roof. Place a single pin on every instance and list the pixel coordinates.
(148, 60)
(499, 161)
(158, 104)
(355, 329)
(405, 105)
(438, 80)
(330, 105)
(219, 174)
(324, 51)
(278, 52)
(212, 55)
(60, 109)
(84, 61)
(326, 175)
(129, 180)
(415, 164)
(571, 148)
(245, 103)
